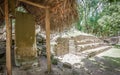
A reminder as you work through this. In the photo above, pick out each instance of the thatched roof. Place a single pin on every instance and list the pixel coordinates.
(62, 13)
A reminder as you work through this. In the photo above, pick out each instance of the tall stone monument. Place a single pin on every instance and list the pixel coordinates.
(25, 42)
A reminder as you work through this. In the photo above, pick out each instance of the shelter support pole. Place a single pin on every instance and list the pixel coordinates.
(8, 40)
(47, 22)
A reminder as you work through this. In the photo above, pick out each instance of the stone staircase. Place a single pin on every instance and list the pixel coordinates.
(85, 46)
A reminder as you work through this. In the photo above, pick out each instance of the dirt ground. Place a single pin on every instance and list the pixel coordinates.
(98, 65)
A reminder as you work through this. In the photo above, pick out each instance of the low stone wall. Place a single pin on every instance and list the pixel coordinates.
(113, 40)
(76, 44)
(62, 46)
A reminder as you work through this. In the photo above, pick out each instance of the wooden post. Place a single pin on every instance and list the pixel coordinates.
(8, 40)
(47, 22)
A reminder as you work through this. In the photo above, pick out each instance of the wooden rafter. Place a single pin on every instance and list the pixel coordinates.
(33, 4)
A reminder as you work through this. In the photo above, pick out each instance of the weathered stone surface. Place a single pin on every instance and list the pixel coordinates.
(41, 45)
(62, 46)
(2, 47)
(25, 40)
(112, 40)
(67, 65)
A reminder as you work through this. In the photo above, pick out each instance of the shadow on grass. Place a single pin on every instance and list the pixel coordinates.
(102, 65)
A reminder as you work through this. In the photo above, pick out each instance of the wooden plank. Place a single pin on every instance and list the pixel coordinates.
(47, 22)
(33, 4)
(8, 39)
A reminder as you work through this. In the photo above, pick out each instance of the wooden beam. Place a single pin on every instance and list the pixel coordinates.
(33, 4)
(47, 22)
(8, 40)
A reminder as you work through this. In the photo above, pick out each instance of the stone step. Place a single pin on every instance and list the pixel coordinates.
(76, 58)
(98, 52)
(77, 44)
(89, 44)
(88, 41)
(88, 47)
(93, 52)
(83, 37)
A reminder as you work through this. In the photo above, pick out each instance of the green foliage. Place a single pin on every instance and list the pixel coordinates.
(117, 46)
(54, 60)
(100, 17)
(113, 1)
(21, 9)
(110, 20)
(115, 62)
(88, 14)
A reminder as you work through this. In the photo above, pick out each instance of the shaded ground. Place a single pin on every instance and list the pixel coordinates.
(106, 63)
(103, 64)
